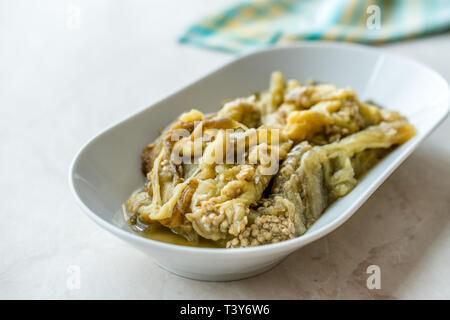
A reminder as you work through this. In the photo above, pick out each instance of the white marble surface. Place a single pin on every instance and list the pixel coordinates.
(59, 86)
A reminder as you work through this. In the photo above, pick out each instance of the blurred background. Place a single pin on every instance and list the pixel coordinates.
(69, 69)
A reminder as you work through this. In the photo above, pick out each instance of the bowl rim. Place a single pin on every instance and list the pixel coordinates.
(288, 245)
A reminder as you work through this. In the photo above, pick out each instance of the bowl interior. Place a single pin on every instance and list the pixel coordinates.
(107, 169)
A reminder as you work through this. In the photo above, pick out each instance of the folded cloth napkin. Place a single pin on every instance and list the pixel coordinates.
(250, 26)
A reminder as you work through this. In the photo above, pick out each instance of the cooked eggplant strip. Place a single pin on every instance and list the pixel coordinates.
(220, 205)
(313, 177)
(242, 110)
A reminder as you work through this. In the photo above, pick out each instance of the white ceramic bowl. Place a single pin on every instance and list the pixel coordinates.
(107, 169)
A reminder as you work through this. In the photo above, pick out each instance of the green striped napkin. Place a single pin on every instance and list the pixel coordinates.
(255, 25)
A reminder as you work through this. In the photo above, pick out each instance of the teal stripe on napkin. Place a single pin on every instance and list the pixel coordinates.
(255, 25)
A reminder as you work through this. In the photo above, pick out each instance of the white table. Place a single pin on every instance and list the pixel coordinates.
(60, 86)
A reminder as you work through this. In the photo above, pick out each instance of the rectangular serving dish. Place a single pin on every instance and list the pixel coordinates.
(107, 169)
